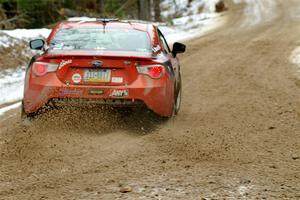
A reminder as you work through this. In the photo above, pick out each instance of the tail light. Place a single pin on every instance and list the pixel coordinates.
(42, 68)
(154, 71)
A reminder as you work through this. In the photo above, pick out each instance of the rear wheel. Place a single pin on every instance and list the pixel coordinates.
(177, 102)
(26, 118)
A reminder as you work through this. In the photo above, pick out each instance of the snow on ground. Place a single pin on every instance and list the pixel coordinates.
(10, 38)
(295, 59)
(190, 27)
(7, 41)
(193, 21)
(196, 20)
(10, 107)
(11, 85)
(28, 33)
(258, 11)
(197, 6)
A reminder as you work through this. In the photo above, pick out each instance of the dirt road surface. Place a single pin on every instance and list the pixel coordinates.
(236, 137)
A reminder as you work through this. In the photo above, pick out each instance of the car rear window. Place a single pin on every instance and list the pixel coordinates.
(101, 39)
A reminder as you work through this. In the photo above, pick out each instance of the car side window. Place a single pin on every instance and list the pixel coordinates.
(163, 41)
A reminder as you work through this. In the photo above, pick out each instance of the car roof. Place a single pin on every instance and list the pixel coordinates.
(109, 23)
(148, 27)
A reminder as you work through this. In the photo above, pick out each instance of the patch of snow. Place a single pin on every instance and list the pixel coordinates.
(181, 7)
(295, 59)
(28, 33)
(196, 20)
(210, 5)
(11, 85)
(7, 41)
(242, 190)
(12, 38)
(189, 27)
(258, 11)
(9, 38)
(10, 107)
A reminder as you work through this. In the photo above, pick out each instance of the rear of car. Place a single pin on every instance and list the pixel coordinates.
(110, 63)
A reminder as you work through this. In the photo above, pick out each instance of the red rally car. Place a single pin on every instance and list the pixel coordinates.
(106, 62)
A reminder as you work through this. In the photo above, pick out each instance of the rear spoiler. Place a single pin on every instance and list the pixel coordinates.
(101, 53)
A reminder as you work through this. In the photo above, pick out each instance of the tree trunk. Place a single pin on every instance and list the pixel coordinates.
(144, 9)
(102, 8)
(157, 16)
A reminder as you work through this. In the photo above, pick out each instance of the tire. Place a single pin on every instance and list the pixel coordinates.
(178, 97)
(26, 119)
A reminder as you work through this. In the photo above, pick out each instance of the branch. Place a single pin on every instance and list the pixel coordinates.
(11, 19)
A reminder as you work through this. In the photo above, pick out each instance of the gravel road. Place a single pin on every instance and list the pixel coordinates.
(236, 137)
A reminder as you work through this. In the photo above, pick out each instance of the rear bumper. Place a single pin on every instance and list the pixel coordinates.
(157, 95)
(77, 102)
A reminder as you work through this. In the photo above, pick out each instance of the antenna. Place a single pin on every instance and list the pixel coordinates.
(105, 21)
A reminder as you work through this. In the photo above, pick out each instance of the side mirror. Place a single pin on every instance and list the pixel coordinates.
(178, 48)
(37, 44)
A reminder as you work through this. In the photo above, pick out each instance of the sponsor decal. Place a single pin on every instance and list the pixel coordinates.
(64, 63)
(65, 91)
(96, 92)
(120, 93)
(76, 78)
(117, 79)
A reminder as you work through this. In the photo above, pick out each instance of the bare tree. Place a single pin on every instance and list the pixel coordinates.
(144, 9)
(157, 16)
(102, 8)
(175, 5)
